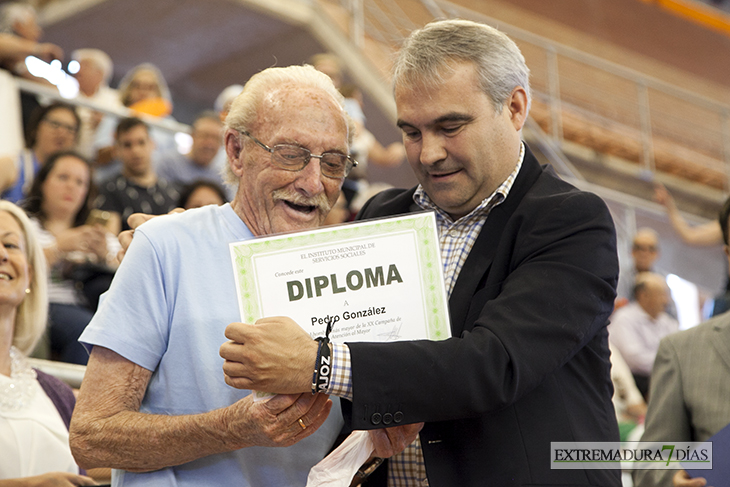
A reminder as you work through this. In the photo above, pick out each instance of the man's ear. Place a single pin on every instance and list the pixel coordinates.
(517, 106)
(233, 151)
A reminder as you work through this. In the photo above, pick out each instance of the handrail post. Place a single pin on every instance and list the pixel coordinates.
(357, 22)
(647, 142)
(556, 111)
(433, 9)
(726, 147)
(629, 227)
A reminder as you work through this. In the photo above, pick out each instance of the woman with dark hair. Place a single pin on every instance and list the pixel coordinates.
(80, 256)
(51, 129)
(201, 193)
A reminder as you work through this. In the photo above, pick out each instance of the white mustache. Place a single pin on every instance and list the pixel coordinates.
(320, 201)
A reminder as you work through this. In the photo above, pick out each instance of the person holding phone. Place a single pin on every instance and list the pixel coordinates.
(80, 250)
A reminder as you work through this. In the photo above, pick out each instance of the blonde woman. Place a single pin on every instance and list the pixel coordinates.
(35, 408)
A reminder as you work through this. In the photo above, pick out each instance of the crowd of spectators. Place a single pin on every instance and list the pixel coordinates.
(83, 173)
(65, 197)
(80, 253)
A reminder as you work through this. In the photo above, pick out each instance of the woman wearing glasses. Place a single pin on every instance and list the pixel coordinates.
(53, 128)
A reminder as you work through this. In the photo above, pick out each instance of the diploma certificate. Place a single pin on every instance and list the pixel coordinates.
(376, 280)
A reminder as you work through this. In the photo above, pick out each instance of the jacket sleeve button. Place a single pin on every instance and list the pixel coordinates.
(376, 418)
(398, 416)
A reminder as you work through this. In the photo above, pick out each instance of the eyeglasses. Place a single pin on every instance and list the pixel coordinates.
(294, 158)
(55, 125)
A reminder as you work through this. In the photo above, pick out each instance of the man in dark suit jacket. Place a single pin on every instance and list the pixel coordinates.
(531, 268)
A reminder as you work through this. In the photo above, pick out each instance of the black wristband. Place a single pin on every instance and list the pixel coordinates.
(323, 364)
(322, 367)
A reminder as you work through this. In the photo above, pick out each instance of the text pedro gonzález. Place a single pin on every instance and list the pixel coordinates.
(354, 280)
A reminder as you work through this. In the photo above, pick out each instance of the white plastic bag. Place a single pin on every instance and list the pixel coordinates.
(338, 468)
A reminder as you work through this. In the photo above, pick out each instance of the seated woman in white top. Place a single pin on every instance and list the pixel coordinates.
(35, 409)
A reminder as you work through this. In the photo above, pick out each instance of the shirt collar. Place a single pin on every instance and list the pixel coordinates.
(498, 196)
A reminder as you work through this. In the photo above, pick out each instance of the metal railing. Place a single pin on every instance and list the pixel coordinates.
(660, 126)
(51, 94)
(602, 92)
(569, 83)
(71, 374)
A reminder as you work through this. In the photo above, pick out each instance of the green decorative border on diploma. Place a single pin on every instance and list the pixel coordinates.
(429, 259)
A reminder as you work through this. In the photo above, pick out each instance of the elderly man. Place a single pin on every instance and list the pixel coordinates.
(531, 270)
(201, 161)
(637, 328)
(154, 404)
(95, 71)
(644, 253)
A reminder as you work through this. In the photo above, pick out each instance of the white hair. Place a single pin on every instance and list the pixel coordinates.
(124, 84)
(226, 97)
(98, 57)
(646, 232)
(13, 12)
(245, 107)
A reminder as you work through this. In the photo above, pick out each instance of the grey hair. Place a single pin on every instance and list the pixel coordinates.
(13, 12)
(244, 109)
(98, 57)
(126, 81)
(225, 98)
(206, 115)
(427, 54)
(646, 232)
(645, 280)
(32, 314)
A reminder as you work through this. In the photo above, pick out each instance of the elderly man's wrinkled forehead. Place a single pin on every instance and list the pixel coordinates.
(290, 95)
(277, 104)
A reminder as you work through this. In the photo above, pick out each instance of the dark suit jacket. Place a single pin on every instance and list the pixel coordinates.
(528, 363)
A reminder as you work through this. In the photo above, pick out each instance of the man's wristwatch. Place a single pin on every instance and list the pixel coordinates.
(365, 471)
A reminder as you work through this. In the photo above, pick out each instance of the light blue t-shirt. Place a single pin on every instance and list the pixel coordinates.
(167, 310)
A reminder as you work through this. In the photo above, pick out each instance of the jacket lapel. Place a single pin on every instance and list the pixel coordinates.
(721, 340)
(482, 253)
